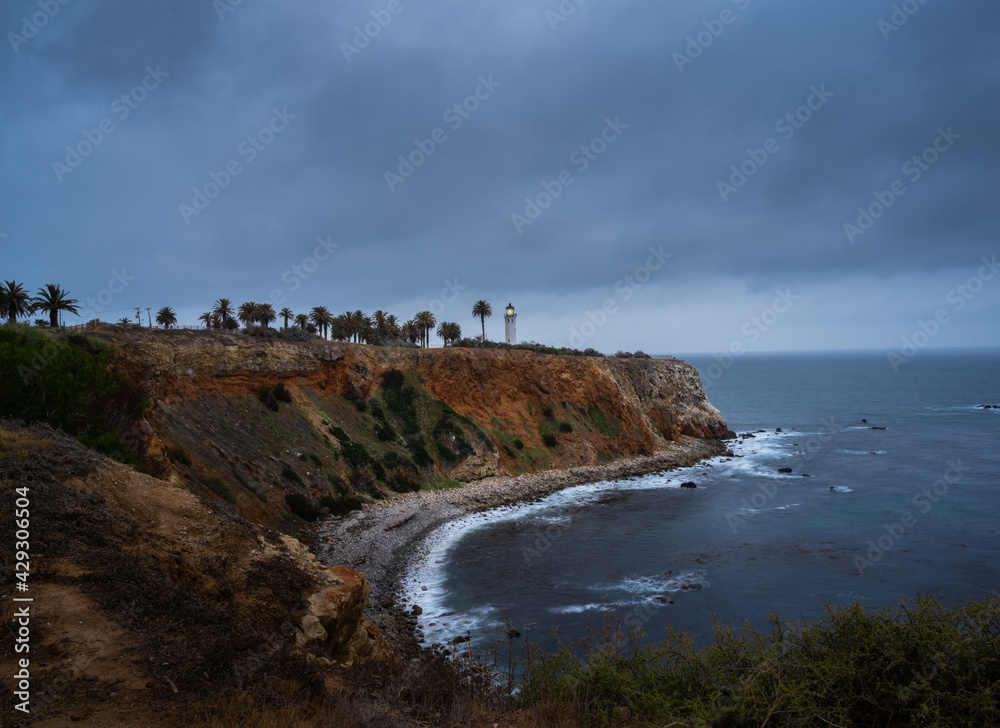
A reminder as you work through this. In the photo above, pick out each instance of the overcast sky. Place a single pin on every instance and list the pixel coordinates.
(690, 166)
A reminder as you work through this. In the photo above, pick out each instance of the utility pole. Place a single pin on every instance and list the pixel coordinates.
(138, 316)
(149, 319)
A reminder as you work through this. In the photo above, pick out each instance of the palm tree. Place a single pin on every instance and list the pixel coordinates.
(482, 309)
(322, 318)
(52, 299)
(166, 317)
(14, 301)
(265, 314)
(247, 313)
(124, 322)
(345, 326)
(222, 313)
(410, 331)
(392, 327)
(425, 322)
(379, 319)
(360, 323)
(286, 313)
(207, 319)
(302, 320)
(450, 332)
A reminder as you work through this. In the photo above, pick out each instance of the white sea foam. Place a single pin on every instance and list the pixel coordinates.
(559, 509)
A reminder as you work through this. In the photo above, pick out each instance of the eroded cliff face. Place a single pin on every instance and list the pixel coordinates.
(146, 592)
(350, 430)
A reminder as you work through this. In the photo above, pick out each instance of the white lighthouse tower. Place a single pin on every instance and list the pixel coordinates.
(510, 324)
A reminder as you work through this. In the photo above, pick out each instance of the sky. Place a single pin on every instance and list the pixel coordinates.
(685, 176)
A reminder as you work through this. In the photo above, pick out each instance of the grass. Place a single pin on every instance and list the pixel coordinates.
(535, 456)
(600, 420)
(443, 484)
(19, 444)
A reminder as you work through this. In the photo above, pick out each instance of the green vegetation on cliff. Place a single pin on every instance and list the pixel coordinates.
(68, 382)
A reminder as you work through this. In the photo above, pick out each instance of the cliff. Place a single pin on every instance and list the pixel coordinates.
(143, 593)
(252, 420)
(161, 592)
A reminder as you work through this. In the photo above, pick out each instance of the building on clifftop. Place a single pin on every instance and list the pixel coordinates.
(510, 324)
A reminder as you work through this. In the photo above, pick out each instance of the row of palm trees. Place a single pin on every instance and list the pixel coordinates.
(16, 302)
(355, 326)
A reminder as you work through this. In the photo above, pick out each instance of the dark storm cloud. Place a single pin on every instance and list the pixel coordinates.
(548, 82)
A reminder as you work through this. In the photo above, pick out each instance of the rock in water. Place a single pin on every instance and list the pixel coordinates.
(689, 484)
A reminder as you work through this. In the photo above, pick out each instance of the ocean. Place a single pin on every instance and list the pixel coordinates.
(910, 509)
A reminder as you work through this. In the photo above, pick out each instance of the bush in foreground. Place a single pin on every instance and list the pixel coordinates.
(915, 663)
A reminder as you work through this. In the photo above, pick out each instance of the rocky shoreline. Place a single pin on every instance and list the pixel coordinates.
(381, 539)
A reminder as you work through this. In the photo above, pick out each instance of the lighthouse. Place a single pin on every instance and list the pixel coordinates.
(510, 324)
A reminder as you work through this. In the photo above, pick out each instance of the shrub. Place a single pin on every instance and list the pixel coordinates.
(281, 394)
(393, 379)
(265, 395)
(289, 474)
(341, 504)
(623, 354)
(337, 432)
(356, 454)
(641, 355)
(301, 506)
(550, 440)
(401, 481)
(547, 411)
(384, 432)
(401, 402)
(445, 453)
(178, 454)
(219, 487)
(110, 444)
(592, 352)
(518, 443)
(911, 664)
(565, 427)
(71, 384)
(421, 457)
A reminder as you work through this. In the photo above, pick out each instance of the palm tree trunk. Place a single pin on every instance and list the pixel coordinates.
(53, 321)
(483, 319)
